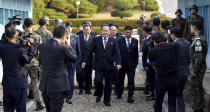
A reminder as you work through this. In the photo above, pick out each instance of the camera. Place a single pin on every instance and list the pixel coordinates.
(24, 40)
(16, 20)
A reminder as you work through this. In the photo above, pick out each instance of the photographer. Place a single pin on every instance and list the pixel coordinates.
(14, 77)
(32, 69)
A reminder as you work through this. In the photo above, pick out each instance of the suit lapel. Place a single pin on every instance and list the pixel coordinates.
(124, 44)
(101, 42)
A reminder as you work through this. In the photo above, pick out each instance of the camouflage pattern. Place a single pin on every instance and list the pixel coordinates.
(179, 23)
(44, 33)
(33, 68)
(198, 52)
(187, 34)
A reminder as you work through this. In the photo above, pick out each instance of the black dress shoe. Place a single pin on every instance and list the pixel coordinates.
(39, 106)
(119, 97)
(107, 104)
(98, 99)
(69, 101)
(130, 100)
(80, 92)
(88, 92)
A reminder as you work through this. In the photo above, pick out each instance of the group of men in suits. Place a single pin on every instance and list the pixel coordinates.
(109, 55)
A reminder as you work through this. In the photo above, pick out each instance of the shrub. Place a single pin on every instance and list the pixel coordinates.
(122, 8)
(99, 22)
(53, 14)
(121, 14)
(150, 5)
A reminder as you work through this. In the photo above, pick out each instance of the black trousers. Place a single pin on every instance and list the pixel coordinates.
(162, 86)
(151, 77)
(131, 84)
(84, 78)
(14, 99)
(54, 101)
(100, 88)
(115, 79)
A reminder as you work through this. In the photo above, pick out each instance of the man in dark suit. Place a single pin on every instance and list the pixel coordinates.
(113, 34)
(129, 59)
(163, 59)
(14, 76)
(54, 55)
(182, 64)
(75, 44)
(105, 48)
(150, 72)
(84, 76)
(92, 33)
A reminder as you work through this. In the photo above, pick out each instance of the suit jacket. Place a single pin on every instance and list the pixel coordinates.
(84, 49)
(75, 44)
(183, 57)
(163, 56)
(103, 59)
(14, 58)
(129, 56)
(54, 57)
(145, 51)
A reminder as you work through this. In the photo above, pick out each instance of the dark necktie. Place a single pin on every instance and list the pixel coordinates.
(105, 41)
(86, 40)
(129, 44)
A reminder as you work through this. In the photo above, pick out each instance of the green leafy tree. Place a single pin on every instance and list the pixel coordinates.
(86, 7)
(150, 5)
(38, 9)
(99, 3)
(122, 9)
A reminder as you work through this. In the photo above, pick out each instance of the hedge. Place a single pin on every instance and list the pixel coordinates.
(99, 22)
(98, 30)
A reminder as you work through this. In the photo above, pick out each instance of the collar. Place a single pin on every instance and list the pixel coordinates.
(106, 38)
(148, 37)
(57, 40)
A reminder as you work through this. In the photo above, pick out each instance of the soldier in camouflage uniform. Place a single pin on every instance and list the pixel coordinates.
(187, 34)
(33, 68)
(43, 31)
(198, 52)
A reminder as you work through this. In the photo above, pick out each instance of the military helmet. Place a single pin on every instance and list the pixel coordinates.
(146, 22)
(28, 21)
(194, 7)
(45, 18)
(178, 11)
(58, 21)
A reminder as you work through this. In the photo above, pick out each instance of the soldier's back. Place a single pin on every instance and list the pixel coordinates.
(44, 33)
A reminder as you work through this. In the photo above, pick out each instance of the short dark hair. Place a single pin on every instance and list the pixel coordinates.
(165, 24)
(103, 25)
(177, 32)
(128, 28)
(158, 37)
(59, 31)
(28, 22)
(86, 25)
(198, 24)
(86, 22)
(147, 29)
(10, 32)
(68, 23)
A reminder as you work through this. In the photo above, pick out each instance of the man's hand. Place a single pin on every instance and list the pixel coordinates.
(83, 65)
(193, 74)
(118, 67)
(146, 68)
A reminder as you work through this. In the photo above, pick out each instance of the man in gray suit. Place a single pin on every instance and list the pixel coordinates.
(54, 54)
(182, 64)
